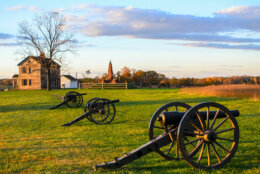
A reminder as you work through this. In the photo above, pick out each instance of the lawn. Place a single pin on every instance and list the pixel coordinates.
(32, 140)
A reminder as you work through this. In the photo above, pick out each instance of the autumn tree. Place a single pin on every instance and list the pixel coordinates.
(151, 78)
(138, 77)
(124, 74)
(45, 37)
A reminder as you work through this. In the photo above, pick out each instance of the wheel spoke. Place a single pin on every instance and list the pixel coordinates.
(223, 121)
(197, 147)
(214, 119)
(208, 152)
(190, 142)
(222, 147)
(207, 123)
(195, 126)
(158, 127)
(225, 139)
(169, 148)
(224, 130)
(216, 153)
(201, 152)
(202, 123)
(193, 133)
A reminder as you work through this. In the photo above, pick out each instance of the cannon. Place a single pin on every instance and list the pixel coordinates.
(72, 99)
(206, 136)
(97, 110)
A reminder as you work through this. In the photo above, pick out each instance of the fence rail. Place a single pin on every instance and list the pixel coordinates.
(103, 85)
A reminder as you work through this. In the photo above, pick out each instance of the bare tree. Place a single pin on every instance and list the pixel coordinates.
(46, 38)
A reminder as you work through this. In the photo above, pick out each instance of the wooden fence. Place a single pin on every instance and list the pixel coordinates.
(104, 85)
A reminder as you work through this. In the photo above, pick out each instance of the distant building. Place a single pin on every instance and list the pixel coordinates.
(110, 75)
(15, 81)
(67, 81)
(32, 75)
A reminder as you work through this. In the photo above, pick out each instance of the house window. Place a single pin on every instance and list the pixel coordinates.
(30, 82)
(29, 70)
(23, 69)
(24, 82)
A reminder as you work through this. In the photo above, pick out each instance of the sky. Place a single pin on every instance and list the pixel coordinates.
(187, 38)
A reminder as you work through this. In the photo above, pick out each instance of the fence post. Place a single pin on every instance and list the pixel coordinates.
(79, 85)
(126, 85)
(102, 85)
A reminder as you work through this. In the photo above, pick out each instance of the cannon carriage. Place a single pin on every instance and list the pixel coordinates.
(72, 99)
(206, 136)
(96, 110)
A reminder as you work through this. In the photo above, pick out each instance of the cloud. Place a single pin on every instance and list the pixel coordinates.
(18, 7)
(21, 7)
(231, 66)
(218, 31)
(9, 44)
(80, 44)
(223, 46)
(85, 45)
(226, 28)
(209, 72)
(157, 24)
(241, 11)
(6, 36)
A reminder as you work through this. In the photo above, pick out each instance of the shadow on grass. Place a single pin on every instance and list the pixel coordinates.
(42, 148)
(27, 107)
(251, 115)
(44, 106)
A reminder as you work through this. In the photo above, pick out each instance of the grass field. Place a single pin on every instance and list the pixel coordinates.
(32, 140)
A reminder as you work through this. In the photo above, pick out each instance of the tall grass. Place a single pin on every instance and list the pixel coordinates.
(238, 91)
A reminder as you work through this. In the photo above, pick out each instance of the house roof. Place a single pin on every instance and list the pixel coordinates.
(15, 76)
(38, 59)
(70, 77)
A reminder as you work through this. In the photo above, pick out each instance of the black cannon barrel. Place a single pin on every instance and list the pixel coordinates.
(114, 101)
(104, 102)
(174, 117)
(83, 94)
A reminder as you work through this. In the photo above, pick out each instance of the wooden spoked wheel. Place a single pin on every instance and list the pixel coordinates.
(102, 111)
(74, 99)
(87, 106)
(171, 151)
(208, 141)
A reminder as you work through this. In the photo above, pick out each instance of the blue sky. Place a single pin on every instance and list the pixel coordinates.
(188, 38)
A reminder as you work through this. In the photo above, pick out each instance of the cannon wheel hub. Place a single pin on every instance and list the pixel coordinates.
(210, 136)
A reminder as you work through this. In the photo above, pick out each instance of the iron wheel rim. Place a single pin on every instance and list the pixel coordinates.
(212, 154)
(167, 155)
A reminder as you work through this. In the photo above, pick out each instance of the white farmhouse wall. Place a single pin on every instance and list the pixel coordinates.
(64, 82)
(67, 83)
(74, 84)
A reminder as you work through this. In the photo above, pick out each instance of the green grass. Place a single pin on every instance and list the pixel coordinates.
(32, 140)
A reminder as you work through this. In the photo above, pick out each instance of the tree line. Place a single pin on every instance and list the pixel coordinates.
(154, 79)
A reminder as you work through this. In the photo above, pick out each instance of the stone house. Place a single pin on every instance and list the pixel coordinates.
(32, 75)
